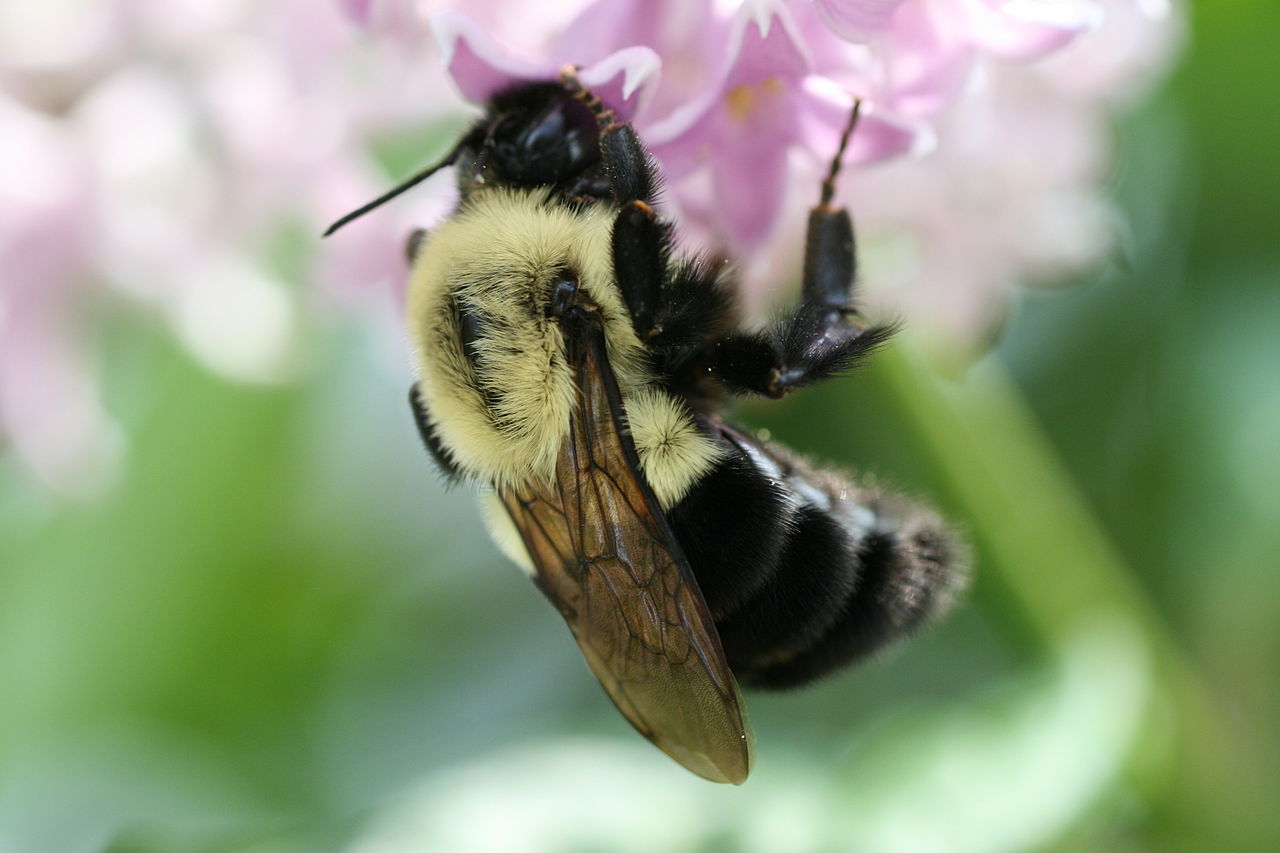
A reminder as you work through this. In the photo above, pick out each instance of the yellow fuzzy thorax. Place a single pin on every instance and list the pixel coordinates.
(505, 424)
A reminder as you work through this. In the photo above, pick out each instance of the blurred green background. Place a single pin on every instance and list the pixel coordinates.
(281, 633)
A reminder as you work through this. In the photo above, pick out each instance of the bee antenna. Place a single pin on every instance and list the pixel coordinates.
(447, 160)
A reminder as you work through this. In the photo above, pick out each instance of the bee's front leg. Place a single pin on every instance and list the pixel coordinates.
(627, 163)
(641, 241)
(413, 245)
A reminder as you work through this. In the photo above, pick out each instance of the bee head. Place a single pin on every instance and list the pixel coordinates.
(532, 135)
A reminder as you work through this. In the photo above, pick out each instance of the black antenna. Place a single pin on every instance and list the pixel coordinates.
(409, 184)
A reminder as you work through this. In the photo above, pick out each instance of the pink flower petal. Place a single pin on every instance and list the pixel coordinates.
(767, 103)
(624, 80)
(691, 38)
(481, 67)
(857, 20)
(1027, 29)
(748, 208)
(880, 135)
(927, 59)
(766, 49)
(359, 11)
(757, 63)
(50, 413)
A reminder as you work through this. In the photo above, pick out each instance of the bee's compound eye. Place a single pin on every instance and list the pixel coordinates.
(413, 244)
(564, 293)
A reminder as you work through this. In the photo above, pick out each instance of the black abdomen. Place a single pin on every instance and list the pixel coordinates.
(805, 572)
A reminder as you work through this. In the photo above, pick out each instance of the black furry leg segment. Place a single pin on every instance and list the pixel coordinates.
(641, 241)
(626, 161)
(823, 336)
(641, 248)
(814, 343)
(413, 244)
(674, 311)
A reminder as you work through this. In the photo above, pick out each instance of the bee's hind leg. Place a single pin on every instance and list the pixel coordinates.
(824, 335)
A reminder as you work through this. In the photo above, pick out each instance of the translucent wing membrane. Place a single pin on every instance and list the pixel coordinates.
(606, 557)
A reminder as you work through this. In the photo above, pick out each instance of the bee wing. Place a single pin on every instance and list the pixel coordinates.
(606, 557)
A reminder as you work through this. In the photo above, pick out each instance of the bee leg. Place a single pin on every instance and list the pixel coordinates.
(676, 308)
(413, 244)
(627, 163)
(641, 241)
(433, 444)
(823, 336)
(811, 344)
(641, 247)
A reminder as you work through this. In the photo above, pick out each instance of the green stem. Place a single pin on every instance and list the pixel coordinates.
(1046, 554)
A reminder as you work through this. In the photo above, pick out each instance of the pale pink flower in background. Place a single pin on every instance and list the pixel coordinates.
(1015, 29)
(358, 10)
(50, 408)
(924, 51)
(481, 68)
(153, 153)
(692, 39)
(762, 101)
(1121, 61)
(1025, 29)
(1014, 194)
(857, 20)
(1009, 197)
(765, 102)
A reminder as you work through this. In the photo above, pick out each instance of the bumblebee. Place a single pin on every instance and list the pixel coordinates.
(574, 362)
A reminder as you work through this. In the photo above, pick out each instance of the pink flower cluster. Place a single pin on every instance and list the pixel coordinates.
(730, 90)
(742, 103)
(156, 153)
(151, 153)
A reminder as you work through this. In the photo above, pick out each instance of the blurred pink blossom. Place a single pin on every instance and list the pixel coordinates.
(358, 10)
(765, 101)
(1014, 194)
(1018, 29)
(760, 79)
(857, 20)
(50, 411)
(924, 51)
(153, 154)
(762, 100)
(481, 68)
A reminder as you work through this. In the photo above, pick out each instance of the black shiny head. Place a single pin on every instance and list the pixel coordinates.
(535, 134)
(532, 135)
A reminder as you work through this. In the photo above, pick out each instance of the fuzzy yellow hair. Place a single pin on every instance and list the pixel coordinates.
(505, 424)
